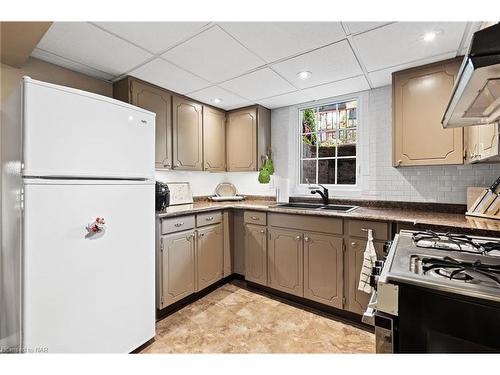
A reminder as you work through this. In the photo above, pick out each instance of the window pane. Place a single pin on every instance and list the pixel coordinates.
(308, 171)
(346, 171)
(308, 120)
(308, 142)
(326, 171)
(327, 120)
(347, 142)
(327, 144)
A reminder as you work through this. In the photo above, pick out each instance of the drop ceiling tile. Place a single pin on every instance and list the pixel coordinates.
(285, 100)
(327, 64)
(86, 44)
(384, 77)
(72, 65)
(213, 55)
(164, 74)
(156, 37)
(402, 42)
(262, 83)
(346, 86)
(360, 27)
(229, 100)
(276, 40)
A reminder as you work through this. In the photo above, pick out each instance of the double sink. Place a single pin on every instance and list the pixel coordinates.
(315, 206)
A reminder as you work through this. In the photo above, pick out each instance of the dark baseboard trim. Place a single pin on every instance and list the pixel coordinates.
(298, 302)
(143, 346)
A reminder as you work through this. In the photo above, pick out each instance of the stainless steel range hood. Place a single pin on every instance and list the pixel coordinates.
(476, 96)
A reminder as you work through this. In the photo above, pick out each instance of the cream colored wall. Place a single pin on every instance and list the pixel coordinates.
(10, 78)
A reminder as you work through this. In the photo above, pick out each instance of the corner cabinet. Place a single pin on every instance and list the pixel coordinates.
(420, 97)
(214, 140)
(154, 99)
(248, 138)
(187, 134)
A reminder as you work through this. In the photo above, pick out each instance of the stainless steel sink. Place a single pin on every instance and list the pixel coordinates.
(315, 206)
(305, 206)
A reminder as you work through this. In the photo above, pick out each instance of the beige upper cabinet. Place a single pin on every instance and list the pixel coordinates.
(156, 100)
(177, 258)
(481, 143)
(256, 254)
(248, 138)
(286, 262)
(323, 269)
(187, 135)
(420, 97)
(209, 256)
(214, 139)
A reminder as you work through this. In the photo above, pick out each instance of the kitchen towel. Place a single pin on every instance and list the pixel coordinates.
(369, 258)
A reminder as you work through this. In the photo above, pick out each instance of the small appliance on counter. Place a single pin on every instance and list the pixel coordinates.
(162, 196)
(437, 293)
(179, 193)
(226, 191)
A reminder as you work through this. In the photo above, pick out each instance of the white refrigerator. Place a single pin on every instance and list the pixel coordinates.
(78, 211)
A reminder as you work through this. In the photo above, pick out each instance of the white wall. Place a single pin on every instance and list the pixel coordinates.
(204, 183)
(377, 178)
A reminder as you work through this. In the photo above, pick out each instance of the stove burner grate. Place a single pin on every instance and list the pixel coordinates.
(456, 242)
(460, 270)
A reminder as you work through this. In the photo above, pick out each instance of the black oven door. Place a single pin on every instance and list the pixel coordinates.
(435, 322)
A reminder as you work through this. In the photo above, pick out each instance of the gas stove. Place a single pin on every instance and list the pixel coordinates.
(460, 264)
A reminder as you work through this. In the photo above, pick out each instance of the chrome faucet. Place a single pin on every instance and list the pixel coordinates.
(324, 193)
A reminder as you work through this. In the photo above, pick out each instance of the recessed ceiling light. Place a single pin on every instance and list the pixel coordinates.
(217, 100)
(304, 75)
(429, 36)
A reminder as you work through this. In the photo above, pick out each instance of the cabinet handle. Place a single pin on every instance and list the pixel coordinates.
(399, 162)
(177, 165)
(202, 234)
(298, 237)
(306, 239)
(354, 244)
(178, 225)
(167, 165)
(254, 218)
(210, 218)
(262, 231)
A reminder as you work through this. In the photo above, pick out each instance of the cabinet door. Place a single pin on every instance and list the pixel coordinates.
(187, 134)
(323, 269)
(256, 254)
(160, 102)
(471, 144)
(487, 141)
(357, 301)
(286, 263)
(210, 253)
(177, 266)
(420, 97)
(242, 140)
(214, 140)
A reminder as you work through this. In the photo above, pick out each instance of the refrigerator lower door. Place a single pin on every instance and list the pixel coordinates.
(73, 133)
(86, 291)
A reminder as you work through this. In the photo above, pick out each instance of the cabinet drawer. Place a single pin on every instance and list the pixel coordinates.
(255, 217)
(208, 218)
(380, 229)
(176, 224)
(333, 225)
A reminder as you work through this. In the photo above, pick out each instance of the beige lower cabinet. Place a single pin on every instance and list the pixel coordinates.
(177, 266)
(357, 301)
(286, 261)
(323, 269)
(256, 254)
(209, 255)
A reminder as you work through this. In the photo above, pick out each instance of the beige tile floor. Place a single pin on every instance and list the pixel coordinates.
(235, 320)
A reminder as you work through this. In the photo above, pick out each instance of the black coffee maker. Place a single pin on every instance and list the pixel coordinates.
(162, 193)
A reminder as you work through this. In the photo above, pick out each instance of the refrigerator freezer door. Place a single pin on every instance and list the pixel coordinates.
(88, 291)
(72, 133)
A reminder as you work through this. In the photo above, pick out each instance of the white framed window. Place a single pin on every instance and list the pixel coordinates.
(328, 135)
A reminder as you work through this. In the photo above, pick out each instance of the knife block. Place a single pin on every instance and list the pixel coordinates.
(492, 211)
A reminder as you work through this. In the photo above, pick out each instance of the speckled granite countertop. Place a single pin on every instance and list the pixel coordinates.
(418, 219)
